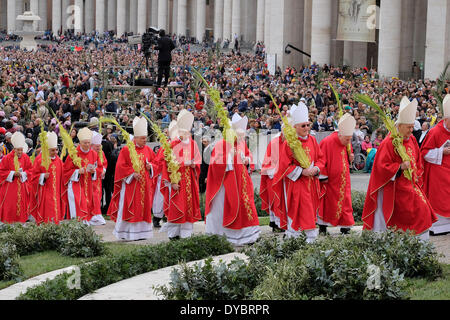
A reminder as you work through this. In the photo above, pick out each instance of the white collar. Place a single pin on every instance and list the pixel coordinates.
(303, 138)
(445, 126)
(185, 141)
(81, 148)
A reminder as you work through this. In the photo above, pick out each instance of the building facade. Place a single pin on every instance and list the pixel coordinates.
(406, 31)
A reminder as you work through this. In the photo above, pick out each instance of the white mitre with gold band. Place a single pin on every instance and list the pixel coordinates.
(96, 138)
(140, 127)
(446, 106)
(238, 123)
(300, 114)
(346, 125)
(84, 134)
(407, 111)
(52, 140)
(173, 130)
(18, 141)
(185, 120)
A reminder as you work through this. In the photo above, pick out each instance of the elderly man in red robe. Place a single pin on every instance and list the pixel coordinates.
(132, 199)
(393, 201)
(230, 205)
(102, 165)
(268, 170)
(14, 189)
(435, 153)
(336, 199)
(47, 185)
(79, 182)
(182, 200)
(299, 187)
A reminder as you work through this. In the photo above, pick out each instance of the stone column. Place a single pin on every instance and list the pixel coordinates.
(34, 7)
(56, 16)
(133, 16)
(154, 13)
(175, 17)
(307, 19)
(100, 16)
(112, 15)
(121, 17)
(236, 20)
(218, 20)
(435, 52)
(267, 22)
(141, 16)
(89, 16)
(260, 15)
(3, 15)
(389, 39)
(227, 7)
(162, 14)
(65, 15)
(321, 31)
(407, 40)
(420, 31)
(11, 16)
(201, 19)
(42, 11)
(348, 53)
(79, 15)
(182, 17)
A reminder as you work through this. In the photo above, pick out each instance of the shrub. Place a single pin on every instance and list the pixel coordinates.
(358, 199)
(258, 203)
(210, 282)
(9, 264)
(234, 281)
(77, 240)
(110, 269)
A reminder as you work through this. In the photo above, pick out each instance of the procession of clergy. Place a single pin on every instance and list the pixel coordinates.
(296, 198)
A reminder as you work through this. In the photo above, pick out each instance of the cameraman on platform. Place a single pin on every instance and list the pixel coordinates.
(165, 47)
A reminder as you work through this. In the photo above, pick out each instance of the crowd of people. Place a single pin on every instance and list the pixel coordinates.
(59, 85)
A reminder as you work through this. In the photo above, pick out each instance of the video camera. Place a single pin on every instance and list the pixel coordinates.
(149, 39)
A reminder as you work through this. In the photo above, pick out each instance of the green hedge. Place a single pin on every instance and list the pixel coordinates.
(71, 238)
(111, 269)
(331, 268)
(358, 198)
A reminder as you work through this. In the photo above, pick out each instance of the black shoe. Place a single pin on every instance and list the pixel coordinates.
(345, 230)
(275, 228)
(438, 234)
(174, 238)
(156, 222)
(323, 230)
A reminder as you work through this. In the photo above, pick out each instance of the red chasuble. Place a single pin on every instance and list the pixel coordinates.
(138, 199)
(436, 178)
(97, 186)
(303, 194)
(336, 199)
(47, 204)
(83, 189)
(405, 206)
(239, 209)
(14, 196)
(270, 167)
(183, 205)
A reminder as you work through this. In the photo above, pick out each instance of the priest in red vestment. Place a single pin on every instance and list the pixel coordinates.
(47, 185)
(158, 198)
(14, 189)
(79, 182)
(182, 200)
(268, 170)
(299, 187)
(131, 203)
(336, 197)
(435, 153)
(230, 204)
(102, 165)
(393, 201)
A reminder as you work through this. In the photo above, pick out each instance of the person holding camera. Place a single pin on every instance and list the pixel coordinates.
(165, 47)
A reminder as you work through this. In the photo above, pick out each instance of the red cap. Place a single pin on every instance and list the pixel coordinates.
(2, 130)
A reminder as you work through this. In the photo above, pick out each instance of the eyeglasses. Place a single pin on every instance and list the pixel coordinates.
(306, 125)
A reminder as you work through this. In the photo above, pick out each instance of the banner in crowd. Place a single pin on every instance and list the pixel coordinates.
(357, 20)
